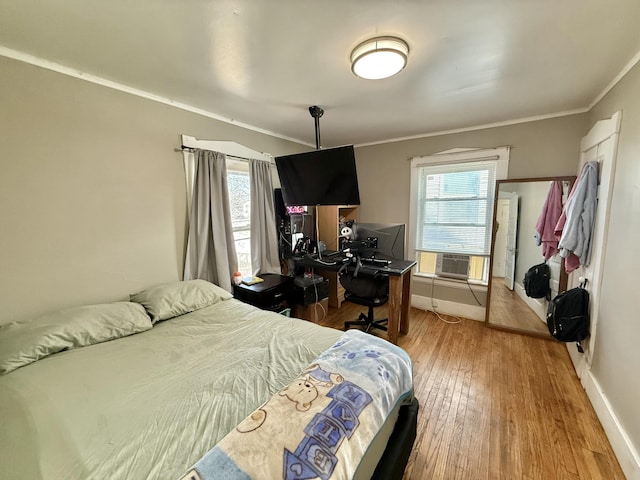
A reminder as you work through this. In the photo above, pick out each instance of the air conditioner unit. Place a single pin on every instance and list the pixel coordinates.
(453, 266)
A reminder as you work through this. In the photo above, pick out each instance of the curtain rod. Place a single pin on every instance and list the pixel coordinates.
(191, 149)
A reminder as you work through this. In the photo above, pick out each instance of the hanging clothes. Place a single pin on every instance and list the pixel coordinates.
(575, 226)
(548, 219)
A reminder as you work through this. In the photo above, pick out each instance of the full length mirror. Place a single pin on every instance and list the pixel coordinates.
(522, 208)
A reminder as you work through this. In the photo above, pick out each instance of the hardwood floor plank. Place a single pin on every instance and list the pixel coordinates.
(509, 310)
(496, 405)
(451, 405)
(476, 422)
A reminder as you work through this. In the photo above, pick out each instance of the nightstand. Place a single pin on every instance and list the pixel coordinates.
(274, 293)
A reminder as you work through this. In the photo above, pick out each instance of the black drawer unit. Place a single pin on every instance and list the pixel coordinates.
(310, 290)
(274, 293)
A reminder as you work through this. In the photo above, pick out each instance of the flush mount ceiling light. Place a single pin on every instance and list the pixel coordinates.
(379, 57)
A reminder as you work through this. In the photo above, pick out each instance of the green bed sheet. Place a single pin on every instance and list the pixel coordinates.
(150, 405)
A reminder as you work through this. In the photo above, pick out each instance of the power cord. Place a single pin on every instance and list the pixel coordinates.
(472, 293)
(284, 239)
(315, 288)
(324, 312)
(433, 307)
(322, 261)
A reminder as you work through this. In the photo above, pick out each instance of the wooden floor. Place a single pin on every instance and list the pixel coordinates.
(509, 310)
(496, 405)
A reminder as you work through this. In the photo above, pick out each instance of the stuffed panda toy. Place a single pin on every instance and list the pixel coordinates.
(347, 232)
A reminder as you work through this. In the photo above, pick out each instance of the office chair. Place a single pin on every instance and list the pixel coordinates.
(369, 291)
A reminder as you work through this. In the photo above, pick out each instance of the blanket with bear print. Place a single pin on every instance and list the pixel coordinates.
(322, 423)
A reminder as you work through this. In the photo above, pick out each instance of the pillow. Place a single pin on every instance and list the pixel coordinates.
(172, 299)
(22, 343)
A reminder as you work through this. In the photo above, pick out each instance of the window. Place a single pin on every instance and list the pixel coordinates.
(452, 207)
(239, 186)
(240, 201)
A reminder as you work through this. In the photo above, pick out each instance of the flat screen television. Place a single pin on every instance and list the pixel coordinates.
(320, 177)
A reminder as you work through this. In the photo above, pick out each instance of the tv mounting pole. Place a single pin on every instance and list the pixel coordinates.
(316, 112)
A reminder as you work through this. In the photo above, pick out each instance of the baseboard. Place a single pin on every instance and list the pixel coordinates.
(473, 312)
(624, 450)
(537, 305)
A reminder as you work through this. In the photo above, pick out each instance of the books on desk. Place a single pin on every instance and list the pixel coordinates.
(251, 280)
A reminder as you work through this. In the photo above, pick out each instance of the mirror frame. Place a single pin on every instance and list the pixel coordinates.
(562, 281)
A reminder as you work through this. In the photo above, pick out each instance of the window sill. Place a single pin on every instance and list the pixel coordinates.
(449, 282)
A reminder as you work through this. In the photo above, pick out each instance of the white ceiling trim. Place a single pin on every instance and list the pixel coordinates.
(59, 68)
(56, 67)
(632, 63)
(480, 127)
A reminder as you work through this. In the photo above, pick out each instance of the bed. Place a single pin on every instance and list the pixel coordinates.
(173, 385)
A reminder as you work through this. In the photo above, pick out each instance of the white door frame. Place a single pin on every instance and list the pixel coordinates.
(602, 131)
(512, 238)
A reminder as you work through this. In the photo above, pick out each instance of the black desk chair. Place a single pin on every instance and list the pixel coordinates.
(369, 291)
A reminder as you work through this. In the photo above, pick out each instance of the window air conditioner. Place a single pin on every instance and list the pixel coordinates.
(453, 266)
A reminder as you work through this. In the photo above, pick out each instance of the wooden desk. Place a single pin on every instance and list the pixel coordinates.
(399, 272)
(399, 304)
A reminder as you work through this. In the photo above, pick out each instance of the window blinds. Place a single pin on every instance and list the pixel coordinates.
(455, 207)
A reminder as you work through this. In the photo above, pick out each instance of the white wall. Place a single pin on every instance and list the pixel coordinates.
(540, 149)
(92, 191)
(616, 356)
(531, 199)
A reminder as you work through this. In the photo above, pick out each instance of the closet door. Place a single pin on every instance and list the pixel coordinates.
(600, 145)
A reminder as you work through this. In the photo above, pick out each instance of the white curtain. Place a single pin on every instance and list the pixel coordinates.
(211, 251)
(264, 238)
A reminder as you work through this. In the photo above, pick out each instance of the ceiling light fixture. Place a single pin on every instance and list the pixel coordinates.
(379, 57)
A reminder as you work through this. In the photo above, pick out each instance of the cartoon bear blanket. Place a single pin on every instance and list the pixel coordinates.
(321, 424)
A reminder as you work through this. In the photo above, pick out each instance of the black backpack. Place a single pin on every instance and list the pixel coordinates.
(568, 316)
(536, 281)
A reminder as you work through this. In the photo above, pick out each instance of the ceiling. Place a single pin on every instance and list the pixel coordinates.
(263, 63)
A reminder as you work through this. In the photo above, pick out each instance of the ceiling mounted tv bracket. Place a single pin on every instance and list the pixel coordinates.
(316, 112)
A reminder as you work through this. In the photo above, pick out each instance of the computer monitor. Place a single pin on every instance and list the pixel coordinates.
(390, 244)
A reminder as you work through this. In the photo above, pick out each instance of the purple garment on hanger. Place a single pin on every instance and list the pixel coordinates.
(548, 219)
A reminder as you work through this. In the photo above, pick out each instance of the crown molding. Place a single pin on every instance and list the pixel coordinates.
(88, 77)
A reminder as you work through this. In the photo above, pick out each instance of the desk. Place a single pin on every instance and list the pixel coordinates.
(399, 272)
